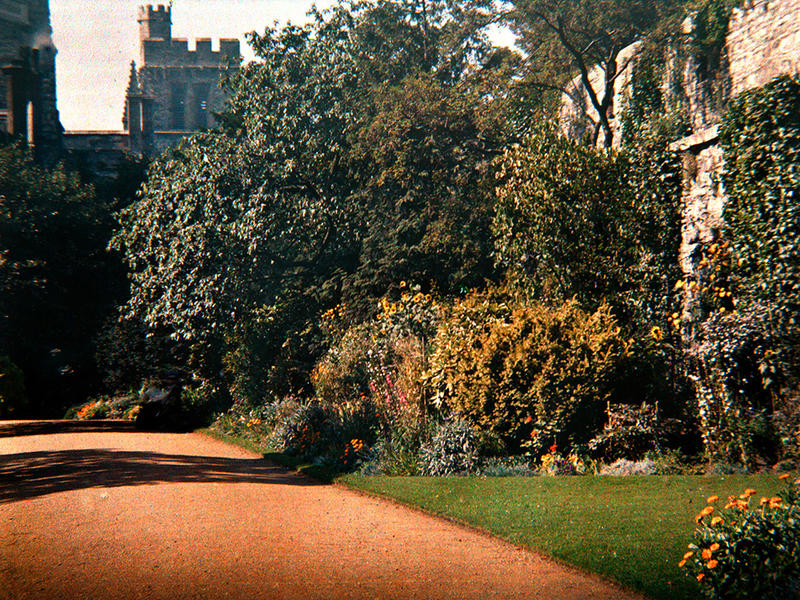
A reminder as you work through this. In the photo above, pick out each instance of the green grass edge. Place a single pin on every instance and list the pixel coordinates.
(328, 476)
(318, 472)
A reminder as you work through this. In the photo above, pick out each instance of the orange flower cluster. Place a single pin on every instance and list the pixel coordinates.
(87, 411)
(354, 446)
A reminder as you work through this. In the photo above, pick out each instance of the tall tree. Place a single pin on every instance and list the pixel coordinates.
(367, 125)
(55, 277)
(568, 39)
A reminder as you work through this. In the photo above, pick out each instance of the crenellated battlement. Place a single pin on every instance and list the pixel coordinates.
(159, 12)
(176, 52)
(155, 22)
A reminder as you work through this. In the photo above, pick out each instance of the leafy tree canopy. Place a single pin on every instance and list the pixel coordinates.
(350, 157)
(54, 276)
(565, 39)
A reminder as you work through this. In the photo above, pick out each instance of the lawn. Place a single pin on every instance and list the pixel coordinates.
(632, 530)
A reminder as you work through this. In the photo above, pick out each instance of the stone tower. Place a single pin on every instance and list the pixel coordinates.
(183, 84)
(28, 77)
(155, 23)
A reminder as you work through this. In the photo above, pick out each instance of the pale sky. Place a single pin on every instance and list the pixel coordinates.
(97, 39)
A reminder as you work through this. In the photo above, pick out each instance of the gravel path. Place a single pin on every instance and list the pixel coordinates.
(98, 511)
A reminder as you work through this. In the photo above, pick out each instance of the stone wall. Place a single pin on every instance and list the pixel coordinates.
(763, 42)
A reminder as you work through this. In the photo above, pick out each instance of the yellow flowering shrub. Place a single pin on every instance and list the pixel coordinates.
(526, 372)
(748, 549)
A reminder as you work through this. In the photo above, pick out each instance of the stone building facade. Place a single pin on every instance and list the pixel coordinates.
(171, 94)
(183, 83)
(28, 77)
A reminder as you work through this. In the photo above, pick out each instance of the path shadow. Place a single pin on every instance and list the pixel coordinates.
(20, 428)
(32, 474)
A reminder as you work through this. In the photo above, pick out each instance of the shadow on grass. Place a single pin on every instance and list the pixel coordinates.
(321, 473)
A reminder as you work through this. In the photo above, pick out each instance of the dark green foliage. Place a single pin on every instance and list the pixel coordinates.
(710, 19)
(761, 139)
(55, 279)
(352, 155)
(12, 389)
(736, 382)
(598, 226)
(320, 432)
(630, 434)
(424, 159)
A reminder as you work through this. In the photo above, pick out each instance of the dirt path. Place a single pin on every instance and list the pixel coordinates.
(98, 511)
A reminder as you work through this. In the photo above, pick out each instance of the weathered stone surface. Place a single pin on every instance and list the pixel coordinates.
(763, 42)
(703, 198)
(25, 41)
(183, 83)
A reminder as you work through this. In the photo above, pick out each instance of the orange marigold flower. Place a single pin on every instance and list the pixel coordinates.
(707, 511)
(700, 576)
(716, 521)
(764, 501)
(682, 563)
(750, 492)
(528, 419)
(712, 563)
(775, 502)
(714, 547)
(706, 554)
(688, 555)
(712, 499)
(784, 476)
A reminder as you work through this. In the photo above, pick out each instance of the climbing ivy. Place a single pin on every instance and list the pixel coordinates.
(711, 19)
(760, 136)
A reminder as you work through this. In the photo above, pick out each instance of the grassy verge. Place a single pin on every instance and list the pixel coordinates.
(318, 472)
(632, 530)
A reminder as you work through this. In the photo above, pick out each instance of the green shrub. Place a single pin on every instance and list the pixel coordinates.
(525, 372)
(598, 226)
(12, 389)
(451, 450)
(338, 436)
(735, 375)
(381, 363)
(256, 424)
(742, 551)
(630, 433)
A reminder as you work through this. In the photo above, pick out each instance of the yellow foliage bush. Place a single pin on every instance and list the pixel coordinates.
(528, 374)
